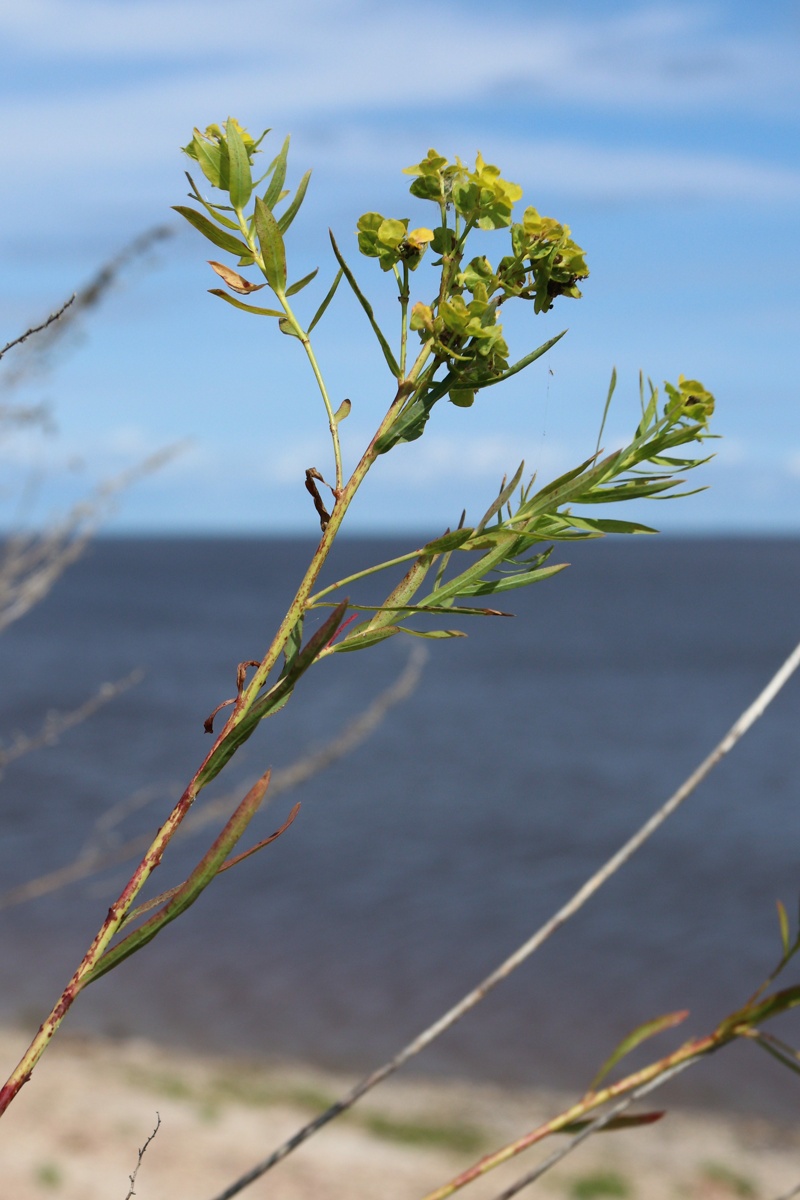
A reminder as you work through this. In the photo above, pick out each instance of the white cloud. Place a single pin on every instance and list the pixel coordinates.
(330, 56)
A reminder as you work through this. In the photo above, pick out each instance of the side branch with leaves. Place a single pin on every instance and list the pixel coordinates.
(459, 350)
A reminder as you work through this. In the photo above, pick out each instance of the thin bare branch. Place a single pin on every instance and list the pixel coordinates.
(57, 723)
(142, 1151)
(32, 563)
(95, 858)
(86, 297)
(23, 337)
(584, 893)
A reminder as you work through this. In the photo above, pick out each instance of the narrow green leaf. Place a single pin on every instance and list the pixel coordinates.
(272, 249)
(629, 489)
(251, 308)
(428, 609)
(550, 495)
(363, 637)
(219, 237)
(212, 209)
(272, 194)
(505, 493)
(508, 583)
(448, 541)
(319, 640)
(461, 584)
(241, 179)
(784, 1058)
(432, 633)
(293, 644)
(367, 307)
(186, 895)
(331, 293)
(301, 283)
(783, 921)
(286, 218)
(402, 593)
(612, 385)
(606, 525)
(521, 365)
(641, 1034)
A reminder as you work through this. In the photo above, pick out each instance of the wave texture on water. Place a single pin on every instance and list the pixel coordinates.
(525, 756)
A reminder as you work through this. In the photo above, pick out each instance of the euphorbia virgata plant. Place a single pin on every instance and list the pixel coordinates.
(448, 347)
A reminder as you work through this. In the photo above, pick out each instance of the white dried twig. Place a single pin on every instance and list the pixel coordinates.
(568, 910)
(31, 563)
(57, 723)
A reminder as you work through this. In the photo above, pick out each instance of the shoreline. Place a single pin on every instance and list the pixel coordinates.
(75, 1129)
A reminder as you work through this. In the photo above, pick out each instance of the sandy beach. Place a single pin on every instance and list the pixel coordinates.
(74, 1132)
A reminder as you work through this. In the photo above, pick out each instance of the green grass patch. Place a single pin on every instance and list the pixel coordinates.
(737, 1185)
(462, 1138)
(49, 1175)
(599, 1183)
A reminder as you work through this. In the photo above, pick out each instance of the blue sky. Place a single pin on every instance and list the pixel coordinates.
(665, 134)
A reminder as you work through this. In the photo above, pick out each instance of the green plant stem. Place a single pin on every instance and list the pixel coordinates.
(340, 583)
(404, 296)
(306, 343)
(334, 428)
(691, 1050)
(230, 737)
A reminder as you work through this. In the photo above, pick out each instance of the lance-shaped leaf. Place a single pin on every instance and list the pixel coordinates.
(494, 587)
(787, 1056)
(301, 283)
(402, 593)
(630, 489)
(251, 308)
(272, 249)
(452, 540)
(188, 892)
(273, 700)
(367, 307)
(611, 388)
(783, 921)
(241, 178)
(278, 168)
(212, 209)
(225, 241)
(141, 909)
(329, 296)
(497, 504)
(605, 525)
(234, 280)
(286, 218)
(429, 609)
(362, 636)
(432, 633)
(459, 586)
(300, 662)
(635, 1038)
(516, 367)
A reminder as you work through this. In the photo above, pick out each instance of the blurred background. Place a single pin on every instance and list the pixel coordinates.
(665, 135)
